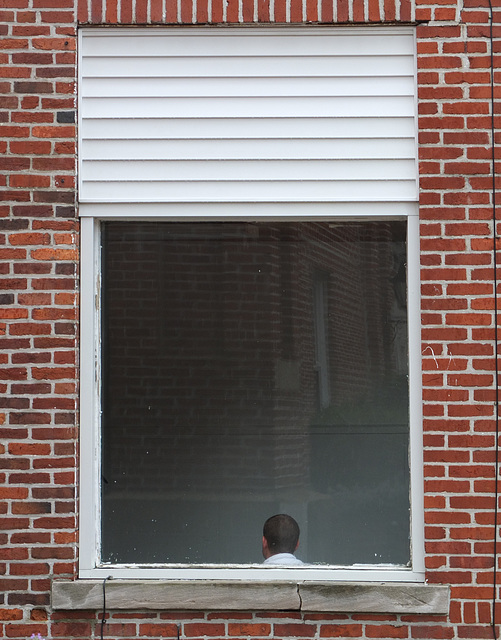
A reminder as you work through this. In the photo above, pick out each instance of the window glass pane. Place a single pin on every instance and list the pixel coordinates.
(251, 369)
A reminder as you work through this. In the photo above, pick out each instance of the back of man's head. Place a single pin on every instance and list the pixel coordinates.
(281, 533)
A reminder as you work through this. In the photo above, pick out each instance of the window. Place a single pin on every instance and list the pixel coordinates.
(251, 368)
(249, 350)
(214, 417)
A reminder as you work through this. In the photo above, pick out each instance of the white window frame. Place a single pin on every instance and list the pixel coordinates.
(90, 565)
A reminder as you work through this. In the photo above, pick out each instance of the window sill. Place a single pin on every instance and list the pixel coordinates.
(325, 597)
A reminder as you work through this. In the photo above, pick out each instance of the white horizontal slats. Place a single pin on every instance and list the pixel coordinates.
(211, 170)
(248, 42)
(246, 67)
(250, 107)
(250, 210)
(234, 128)
(247, 115)
(245, 191)
(248, 87)
(267, 149)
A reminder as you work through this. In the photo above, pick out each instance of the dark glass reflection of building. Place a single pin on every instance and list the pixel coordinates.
(250, 369)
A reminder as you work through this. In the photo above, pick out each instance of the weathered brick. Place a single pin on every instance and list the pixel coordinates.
(37, 122)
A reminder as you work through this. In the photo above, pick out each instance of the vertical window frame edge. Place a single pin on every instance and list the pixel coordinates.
(415, 398)
(90, 375)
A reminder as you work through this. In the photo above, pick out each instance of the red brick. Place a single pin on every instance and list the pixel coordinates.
(471, 562)
(248, 629)
(386, 631)
(57, 522)
(476, 319)
(341, 631)
(71, 629)
(29, 568)
(13, 584)
(11, 614)
(30, 418)
(25, 508)
(13, 493)
(25, 630)
(30, 328)
(294, 630)
(29, 448)
(13, 554)
(54, 254)
(56, 373)
(432, 631)
(29, 238)
(471, 471)
(169, 630)
(475, 632)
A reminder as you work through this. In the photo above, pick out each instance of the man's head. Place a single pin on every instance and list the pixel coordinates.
(280, 535)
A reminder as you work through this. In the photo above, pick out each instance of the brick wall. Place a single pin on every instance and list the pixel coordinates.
(39, 283)
(458, 335)
(39, 237)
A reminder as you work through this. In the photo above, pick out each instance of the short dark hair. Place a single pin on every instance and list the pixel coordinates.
(281, 533)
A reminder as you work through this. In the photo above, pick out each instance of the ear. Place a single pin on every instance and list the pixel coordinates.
(297, 545)
(266, 551)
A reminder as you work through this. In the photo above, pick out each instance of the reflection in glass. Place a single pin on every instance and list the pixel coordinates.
(251, 369)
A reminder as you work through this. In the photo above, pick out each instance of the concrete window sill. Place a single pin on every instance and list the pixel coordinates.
(308, 596)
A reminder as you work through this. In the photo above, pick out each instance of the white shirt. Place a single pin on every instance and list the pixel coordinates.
(283, 559)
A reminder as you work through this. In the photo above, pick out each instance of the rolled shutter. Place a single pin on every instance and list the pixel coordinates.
(247, 115)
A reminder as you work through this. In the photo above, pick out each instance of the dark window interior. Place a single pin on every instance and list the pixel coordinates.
(252, 369)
